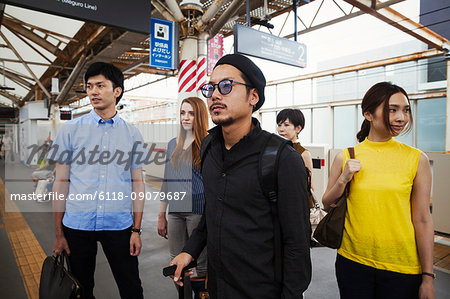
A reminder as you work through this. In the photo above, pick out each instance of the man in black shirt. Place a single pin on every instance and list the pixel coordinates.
(237, 225)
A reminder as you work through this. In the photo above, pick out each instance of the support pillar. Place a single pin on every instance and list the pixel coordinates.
(201, 61)
(187, 77)
(55, 120)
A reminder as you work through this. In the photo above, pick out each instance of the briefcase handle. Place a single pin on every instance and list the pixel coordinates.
(61, 258)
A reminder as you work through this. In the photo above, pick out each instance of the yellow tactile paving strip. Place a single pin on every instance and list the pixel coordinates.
(27, 251)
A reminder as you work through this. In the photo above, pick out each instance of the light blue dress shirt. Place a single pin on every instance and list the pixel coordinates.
(101, 156)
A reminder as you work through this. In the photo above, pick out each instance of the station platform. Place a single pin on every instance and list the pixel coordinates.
(26, 238)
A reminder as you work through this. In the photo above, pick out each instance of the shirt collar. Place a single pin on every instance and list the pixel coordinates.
(98, 120)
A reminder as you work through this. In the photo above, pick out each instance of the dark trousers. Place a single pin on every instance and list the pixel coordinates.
(358, 281)
(116, 246)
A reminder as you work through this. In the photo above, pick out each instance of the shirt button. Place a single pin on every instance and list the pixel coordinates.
(104, 146)
(106, 133)
(102, 176)
(99, 207)
(224, 174)
(220, 198)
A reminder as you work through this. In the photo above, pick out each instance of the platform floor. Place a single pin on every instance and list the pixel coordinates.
(26, 238)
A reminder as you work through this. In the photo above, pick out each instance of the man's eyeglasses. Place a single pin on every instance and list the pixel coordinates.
(224, 87)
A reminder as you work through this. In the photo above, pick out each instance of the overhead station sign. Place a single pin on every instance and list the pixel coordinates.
(132, 15)
(163, 44)
(267, 46)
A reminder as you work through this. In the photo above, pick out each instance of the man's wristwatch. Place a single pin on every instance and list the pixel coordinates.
(136, 230)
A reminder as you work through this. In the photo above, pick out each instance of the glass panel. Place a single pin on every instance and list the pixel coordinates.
(368, 78)
(271, 96)
(268, 121)
(302, 92)
(436, 69)
(344, 126)
(404, 75)
(345, 86)
(305, 135)
(320, 125)
(284, 95)
(324, 89)
(431, 124)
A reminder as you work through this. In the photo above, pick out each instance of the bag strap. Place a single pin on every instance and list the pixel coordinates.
(351, 151)
(268, 166)
(267, 174)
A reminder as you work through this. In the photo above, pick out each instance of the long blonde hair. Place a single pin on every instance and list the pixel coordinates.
(200, 128)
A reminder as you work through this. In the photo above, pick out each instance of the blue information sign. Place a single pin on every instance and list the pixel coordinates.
(163, 44)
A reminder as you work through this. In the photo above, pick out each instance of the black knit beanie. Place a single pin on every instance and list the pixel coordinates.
(250, 70)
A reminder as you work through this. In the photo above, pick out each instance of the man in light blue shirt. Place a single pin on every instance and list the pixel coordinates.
(99, 172)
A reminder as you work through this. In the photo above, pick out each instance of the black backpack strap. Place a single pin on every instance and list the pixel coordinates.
(206, 143)
(268, 171)
(268, 165)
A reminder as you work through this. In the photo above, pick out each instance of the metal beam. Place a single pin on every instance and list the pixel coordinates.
(209, 14)
(31, 46)
(46, 32)
(176, 10)
(13, 98)
(19, 29)
(17, 73)
(343, 18)
(71, 80)
(2, 10)
(403, 23)
(166, 13)
(17, 78)
(226, 15)
(37, 63)
(26, 66)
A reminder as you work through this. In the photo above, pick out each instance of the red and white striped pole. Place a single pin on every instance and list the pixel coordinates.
(201, 61)
(187, 77)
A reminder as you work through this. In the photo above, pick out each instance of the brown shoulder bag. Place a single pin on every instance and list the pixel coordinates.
(330, 229)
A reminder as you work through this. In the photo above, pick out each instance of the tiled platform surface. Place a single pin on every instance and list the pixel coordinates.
(25, 237)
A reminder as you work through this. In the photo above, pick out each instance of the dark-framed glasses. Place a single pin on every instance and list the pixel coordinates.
(225, 86)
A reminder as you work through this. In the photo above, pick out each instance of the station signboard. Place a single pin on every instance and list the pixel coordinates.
(267, 46)
(163, 44)
(132, 15)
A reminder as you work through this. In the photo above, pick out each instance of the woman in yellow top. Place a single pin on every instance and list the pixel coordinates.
(387, 245)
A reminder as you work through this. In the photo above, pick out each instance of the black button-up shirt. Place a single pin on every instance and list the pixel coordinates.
(237, 223)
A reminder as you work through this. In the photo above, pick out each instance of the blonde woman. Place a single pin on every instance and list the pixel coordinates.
(182, 174)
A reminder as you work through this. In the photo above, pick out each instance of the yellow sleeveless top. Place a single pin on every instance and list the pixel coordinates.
(378, 229)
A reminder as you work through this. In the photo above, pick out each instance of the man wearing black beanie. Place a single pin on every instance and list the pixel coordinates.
(237, 225)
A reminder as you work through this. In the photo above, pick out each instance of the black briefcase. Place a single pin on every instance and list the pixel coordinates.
(56, 280)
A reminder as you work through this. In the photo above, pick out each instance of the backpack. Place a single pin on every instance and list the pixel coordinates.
(267, 176)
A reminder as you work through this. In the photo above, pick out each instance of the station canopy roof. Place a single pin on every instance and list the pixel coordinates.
(36, 46)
